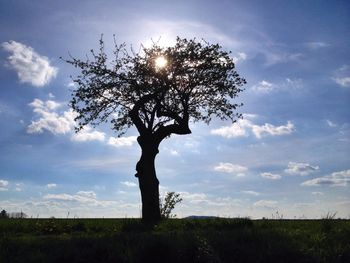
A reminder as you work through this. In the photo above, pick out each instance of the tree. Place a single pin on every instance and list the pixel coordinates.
(170, 200)
(3, 214)
(159, 91)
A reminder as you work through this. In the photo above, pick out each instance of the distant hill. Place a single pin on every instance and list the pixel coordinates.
(200, 217)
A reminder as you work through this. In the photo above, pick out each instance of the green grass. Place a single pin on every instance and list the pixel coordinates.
(175, 240)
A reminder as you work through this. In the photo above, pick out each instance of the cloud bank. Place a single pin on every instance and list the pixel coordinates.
(341, 178)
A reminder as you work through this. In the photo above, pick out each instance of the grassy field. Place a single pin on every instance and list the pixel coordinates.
(175, 240)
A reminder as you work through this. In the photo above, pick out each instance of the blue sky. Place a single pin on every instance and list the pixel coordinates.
(290, 154)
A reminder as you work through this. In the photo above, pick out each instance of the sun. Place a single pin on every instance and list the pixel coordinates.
(161, 62)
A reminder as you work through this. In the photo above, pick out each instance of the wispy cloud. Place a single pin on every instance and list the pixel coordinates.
(18, 187)
(271, 204)
(316, 45)
(194, 198)
(83, 197)
(270, 176)
(264, 86)
(278, 57)
(300, 168)
(249, 192)
(241, 56)
(235, 169)
(129, 184)
(50, 186)
(331, 124)
(285, 85)
(341, 178)
(3, 185)
(30, 66)
(166, 31)
(101, 163)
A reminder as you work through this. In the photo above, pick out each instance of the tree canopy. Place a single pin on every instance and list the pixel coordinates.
(194, 81)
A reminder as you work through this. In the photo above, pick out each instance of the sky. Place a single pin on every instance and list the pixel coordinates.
(288, 157)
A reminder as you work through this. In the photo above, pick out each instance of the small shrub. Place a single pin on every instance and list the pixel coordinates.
(166, 207)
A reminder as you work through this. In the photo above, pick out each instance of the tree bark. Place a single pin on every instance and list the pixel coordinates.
(148, 182)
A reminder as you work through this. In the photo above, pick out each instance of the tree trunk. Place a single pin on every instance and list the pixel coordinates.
(148, 182)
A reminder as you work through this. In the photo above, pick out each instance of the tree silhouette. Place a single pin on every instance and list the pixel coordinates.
(3, 214)
(158, 90)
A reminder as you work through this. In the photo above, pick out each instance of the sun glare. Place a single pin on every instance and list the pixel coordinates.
(161, 62)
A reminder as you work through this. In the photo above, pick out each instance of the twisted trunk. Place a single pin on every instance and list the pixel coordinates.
(148, 182)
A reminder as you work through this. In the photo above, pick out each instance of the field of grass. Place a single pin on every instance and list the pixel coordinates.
(174, 240)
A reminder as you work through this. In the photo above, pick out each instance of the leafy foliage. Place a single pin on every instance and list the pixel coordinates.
(166, 207)
(198, 82)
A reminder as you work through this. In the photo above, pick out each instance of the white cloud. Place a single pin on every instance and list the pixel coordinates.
(38, 105)
(236, 169)
(50, 120)
(52, 105)
(30, 66)
(251, 192)
(264, 87)
(122, 141)
(270, 176)
(50, 186)
(250, 116)
(174, 152)
(266, 203)
(344, 82)
(237, 129)
(300, 168)
(269, 129)
(3, 185)
(317, 193)
(240, 128)
(342, 76)
(86, 134)
(129, 184)
(241, 56)
(341, 178)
